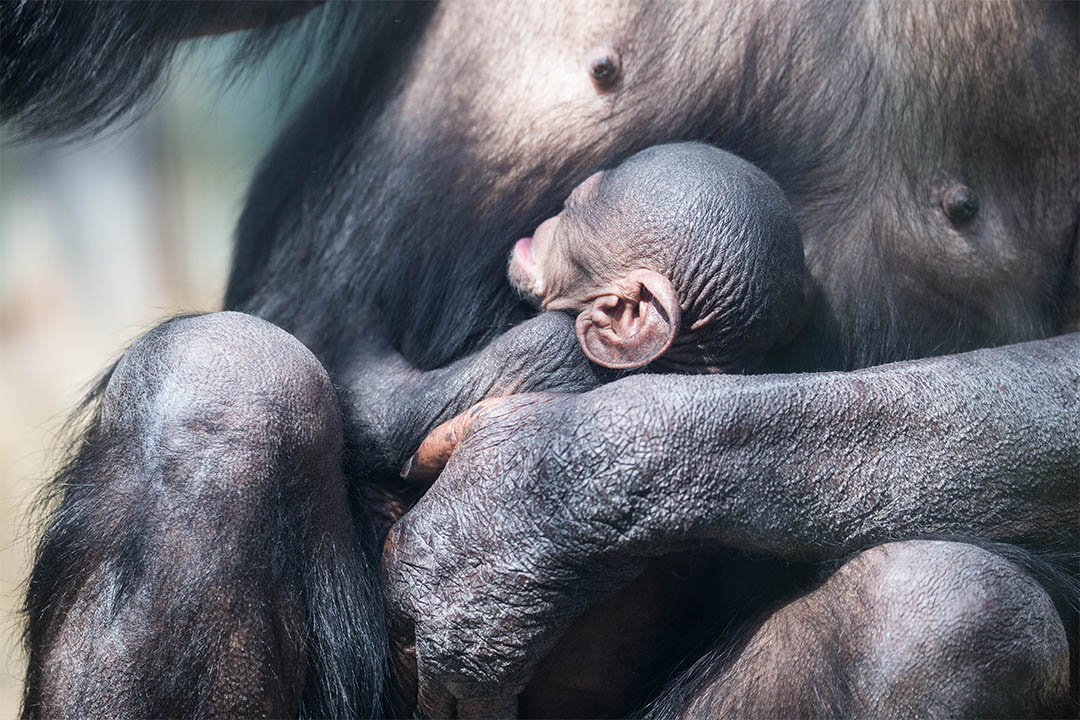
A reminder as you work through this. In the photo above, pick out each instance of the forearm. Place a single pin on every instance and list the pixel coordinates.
(397, 405)
(809, 466)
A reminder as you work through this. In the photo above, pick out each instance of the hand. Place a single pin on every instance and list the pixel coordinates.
(508, 546)
(393, 405)
(435, 451)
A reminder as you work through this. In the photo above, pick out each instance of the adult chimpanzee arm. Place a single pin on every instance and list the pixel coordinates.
(394, 405)
(985, 444)
(542, 511)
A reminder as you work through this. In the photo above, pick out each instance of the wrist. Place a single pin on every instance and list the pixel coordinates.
(630, 448)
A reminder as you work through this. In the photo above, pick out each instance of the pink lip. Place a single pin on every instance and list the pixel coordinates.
(523, 255)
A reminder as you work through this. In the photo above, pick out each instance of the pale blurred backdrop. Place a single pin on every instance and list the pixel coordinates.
(99, 240)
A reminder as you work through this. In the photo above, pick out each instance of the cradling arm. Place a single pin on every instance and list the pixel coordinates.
(544, 509)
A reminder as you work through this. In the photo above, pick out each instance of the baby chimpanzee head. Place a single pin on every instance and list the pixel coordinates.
(684, 256)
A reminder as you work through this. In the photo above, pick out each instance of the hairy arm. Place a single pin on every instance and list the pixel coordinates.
(542, 511)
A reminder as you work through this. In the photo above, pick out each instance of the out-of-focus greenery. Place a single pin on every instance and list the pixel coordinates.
(98, 241)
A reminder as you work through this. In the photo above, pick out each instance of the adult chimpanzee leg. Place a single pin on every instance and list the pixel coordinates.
(911, 628)
(203, 560)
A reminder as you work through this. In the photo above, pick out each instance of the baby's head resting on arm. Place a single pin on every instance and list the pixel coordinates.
(684, 256)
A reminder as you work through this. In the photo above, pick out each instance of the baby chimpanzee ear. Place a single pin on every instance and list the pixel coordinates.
(633, 325)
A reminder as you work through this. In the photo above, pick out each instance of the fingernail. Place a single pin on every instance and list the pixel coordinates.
(407, 467)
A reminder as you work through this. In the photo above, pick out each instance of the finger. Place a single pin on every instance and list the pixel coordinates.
(434, 452)
(482, 708)
(429, 460)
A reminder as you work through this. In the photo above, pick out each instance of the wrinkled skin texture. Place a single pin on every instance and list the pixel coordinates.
(613, 520)
(375, 235)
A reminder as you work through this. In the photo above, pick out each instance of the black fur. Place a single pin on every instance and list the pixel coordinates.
(57, 558)
(71, 69)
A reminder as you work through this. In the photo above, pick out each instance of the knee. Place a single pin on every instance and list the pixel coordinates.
(962, 625)
(225, 378)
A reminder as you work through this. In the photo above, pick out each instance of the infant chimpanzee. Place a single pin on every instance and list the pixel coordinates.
(684, 257)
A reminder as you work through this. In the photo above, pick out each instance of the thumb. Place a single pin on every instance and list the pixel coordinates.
(429, 460)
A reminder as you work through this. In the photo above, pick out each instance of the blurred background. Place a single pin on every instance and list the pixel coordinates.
(99, 240)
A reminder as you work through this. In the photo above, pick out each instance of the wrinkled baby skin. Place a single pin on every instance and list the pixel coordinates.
(684, 257)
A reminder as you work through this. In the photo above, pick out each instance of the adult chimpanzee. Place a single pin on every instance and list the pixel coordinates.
(215, 543)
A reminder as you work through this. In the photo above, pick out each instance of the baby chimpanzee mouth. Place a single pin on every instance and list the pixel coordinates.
(522, 255)
(523, 271)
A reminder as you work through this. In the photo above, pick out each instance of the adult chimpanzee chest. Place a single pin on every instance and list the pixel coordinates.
(481, 133)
